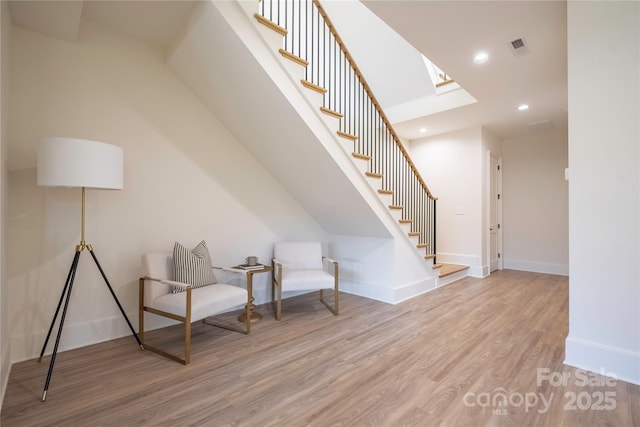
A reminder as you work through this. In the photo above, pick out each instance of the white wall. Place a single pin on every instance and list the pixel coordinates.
(536, 203)
(604, 187)
(535, 198)
(5, 37)
(452, 166)
(186, 178)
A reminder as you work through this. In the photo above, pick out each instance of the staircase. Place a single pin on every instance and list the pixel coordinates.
(310, 40)
(353, 175)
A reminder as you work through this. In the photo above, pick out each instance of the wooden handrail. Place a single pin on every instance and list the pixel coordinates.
(374, 100)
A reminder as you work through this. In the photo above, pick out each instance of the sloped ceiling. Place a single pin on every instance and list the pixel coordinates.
(447, 32)
(393, 68)
(157, 22)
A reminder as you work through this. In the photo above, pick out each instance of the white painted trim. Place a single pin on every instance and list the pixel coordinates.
(388, 295)
(367, 290)
(537, 267)
(414, 289)
(27, 347)
(616, 362)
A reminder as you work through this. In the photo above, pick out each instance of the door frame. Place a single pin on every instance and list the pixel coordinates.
(490, 155)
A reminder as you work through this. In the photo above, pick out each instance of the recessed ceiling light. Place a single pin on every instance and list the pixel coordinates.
(481, 57)
(423, 130)
(523, 107)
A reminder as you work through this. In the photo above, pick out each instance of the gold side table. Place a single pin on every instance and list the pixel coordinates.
(255, 317)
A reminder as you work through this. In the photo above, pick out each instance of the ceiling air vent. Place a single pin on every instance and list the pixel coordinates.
(517, 43)
(518, 46)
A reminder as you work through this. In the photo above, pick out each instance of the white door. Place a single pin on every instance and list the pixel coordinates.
(495, 213)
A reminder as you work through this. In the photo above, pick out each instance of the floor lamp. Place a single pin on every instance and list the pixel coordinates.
(78, 163)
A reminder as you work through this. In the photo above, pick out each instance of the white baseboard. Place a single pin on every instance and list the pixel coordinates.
(414, 289)
(591, 356)
(389, 295)
(537, 267)
(73, 336)
(366, 290)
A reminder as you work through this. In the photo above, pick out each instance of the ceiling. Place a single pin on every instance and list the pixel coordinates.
(447, 32)
(159, 22)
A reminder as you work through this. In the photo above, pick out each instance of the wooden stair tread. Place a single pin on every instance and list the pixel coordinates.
(449, 269)
(314, 87)
(330, 112)
(275, 27)
(361, 156)
(346, 135)
(395, 207)
(293, 57)
(414, 233)
(382, 191)
(405, 221)
(422, 245)
(436, 266)
(373, 174)
(430, 256)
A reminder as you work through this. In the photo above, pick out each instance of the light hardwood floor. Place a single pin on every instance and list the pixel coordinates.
(430, 361)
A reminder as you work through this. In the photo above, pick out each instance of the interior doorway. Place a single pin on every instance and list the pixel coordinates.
(495, 213)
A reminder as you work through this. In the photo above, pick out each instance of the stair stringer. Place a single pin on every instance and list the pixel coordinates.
(405, 273)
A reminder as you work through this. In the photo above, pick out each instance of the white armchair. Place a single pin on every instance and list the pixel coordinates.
(157, 297)
(300, 266)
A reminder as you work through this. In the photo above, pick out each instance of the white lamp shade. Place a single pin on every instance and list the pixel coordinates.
(73, 162)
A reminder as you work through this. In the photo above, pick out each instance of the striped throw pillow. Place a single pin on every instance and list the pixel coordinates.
(192, 266)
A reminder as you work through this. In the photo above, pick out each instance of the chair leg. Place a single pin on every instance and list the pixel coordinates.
(187, 342)
(187, 329)
(273, 290)
(333, 309)
(279, 303)
(277, 271)
(187, 326)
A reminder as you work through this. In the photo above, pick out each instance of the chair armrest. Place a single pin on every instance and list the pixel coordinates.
(176, 284)
(335, 265)
(276, 275)
(151, 279)
(167, 282)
